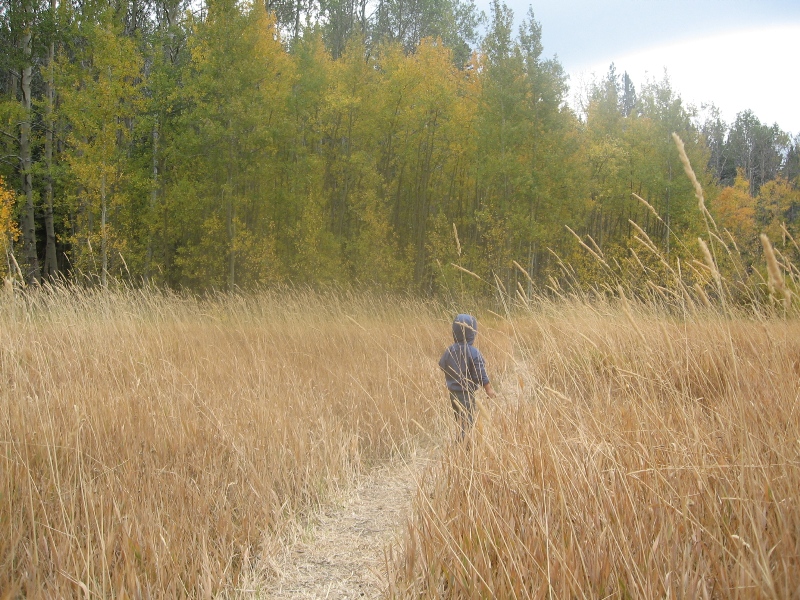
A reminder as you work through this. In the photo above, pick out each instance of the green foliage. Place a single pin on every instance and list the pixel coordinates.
(9, 231)
(101, 96)
(234, 96)
(237, 147)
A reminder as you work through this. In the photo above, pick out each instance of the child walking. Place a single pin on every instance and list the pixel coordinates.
(464, 371)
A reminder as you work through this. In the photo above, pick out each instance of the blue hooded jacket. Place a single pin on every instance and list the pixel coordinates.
(463, 365)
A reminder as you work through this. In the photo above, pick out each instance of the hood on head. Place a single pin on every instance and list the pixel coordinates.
(465, 328)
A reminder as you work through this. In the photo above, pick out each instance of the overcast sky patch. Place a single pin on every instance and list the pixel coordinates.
(737, 54)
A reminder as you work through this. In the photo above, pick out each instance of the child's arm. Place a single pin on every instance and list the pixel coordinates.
(483, 378)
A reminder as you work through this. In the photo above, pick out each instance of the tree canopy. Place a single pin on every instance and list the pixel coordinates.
(234, 144)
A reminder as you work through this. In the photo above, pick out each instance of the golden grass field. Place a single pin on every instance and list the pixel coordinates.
(159, 445)
(156, 445)
(634, 453)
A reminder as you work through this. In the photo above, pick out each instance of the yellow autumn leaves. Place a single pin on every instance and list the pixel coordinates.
(9, 230)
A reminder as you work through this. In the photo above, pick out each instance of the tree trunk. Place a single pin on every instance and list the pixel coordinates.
(231, 240)
(103, 241)
(153, 199)
(297, 9)
(32, 272)
(669, 185)
(50, 259)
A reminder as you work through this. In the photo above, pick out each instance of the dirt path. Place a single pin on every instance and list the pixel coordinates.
(343, 554)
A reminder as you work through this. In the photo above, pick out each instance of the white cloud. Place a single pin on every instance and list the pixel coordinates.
(752, 69)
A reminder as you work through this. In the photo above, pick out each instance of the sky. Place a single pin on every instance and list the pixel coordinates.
(736, 54)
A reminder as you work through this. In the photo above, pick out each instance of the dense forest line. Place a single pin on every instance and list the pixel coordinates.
(226, 145)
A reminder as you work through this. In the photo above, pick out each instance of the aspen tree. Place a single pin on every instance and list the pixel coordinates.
(50, 259)
(102, 98)
(228, 191)
(28, 221)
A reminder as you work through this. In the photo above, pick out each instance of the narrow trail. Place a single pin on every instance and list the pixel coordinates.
(343, 555)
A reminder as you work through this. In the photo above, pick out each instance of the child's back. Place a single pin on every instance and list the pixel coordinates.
(462, 363)
(464, 370)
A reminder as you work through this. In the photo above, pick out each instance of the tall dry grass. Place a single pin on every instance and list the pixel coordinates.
(631, 454)
(156, 445)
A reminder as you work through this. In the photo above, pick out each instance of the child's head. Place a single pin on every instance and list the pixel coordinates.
(465, 328)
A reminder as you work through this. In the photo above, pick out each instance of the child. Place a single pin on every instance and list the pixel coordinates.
(464, 371)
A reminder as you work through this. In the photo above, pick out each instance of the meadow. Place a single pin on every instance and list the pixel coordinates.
(159, 445)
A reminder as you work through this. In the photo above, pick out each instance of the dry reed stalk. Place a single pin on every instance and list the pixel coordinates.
(523, 271)
(647, 204)
(458, 243)
(599, 258)
(494, 314)
(687, 167)
(499, 284)
(21, 277)
(646, 241)
(594, 244)
(679, 283)
(483, 418)
(639, 262)
(521, 292)
(733, 241)
(703, 296)
(776, 281)
(788, 234)
(712, 266)
(704, 269)
(662, 292)
(467, 271)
